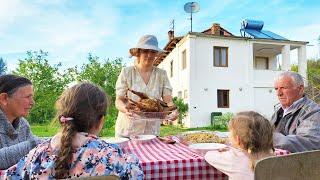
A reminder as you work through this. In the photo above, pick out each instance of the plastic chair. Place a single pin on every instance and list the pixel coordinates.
(296, 166)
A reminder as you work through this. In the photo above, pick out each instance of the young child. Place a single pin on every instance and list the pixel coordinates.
(251, 140)
(76, 151)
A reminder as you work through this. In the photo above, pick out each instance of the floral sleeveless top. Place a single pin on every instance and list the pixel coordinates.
(94, 158)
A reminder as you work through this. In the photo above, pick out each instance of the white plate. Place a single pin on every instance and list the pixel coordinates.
(207, 146)
(115, 140)
(203, 148)
(143, 138)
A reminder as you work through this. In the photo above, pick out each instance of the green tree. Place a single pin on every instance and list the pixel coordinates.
(182, 108)
(294, 67)
(104, 74)
(3, 66)
(48, 83)
(313, 71)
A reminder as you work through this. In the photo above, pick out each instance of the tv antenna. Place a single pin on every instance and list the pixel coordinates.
(172, 25)
(191, 7)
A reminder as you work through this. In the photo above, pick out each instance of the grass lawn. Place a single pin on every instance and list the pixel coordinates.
(50, 130)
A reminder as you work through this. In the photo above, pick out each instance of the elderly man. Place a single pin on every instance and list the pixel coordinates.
(297, 120)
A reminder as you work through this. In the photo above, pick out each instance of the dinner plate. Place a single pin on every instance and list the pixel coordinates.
(116, 140)
(203, 148)
(142, 138)
(194, 137)
(207, 146)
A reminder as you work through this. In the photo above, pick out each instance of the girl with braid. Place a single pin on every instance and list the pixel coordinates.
(251, 140)
(77, 151)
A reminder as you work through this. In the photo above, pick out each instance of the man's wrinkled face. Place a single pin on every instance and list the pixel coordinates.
(287, 91)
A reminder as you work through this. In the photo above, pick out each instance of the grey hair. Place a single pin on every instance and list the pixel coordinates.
(296, 77)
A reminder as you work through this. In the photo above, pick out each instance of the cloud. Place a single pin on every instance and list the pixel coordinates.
(56, 27)
(69, 30)
(308, 32)
(10, 12)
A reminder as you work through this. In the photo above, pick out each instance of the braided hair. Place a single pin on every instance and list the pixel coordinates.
(86, 104)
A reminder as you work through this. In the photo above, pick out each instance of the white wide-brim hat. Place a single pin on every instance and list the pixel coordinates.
(147, 42)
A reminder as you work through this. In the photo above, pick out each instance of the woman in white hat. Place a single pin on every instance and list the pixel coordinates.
(141, 77)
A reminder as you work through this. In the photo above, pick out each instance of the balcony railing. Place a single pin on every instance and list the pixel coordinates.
(265, 78)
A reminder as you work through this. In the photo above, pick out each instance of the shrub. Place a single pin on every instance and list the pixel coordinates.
(221, 122)
(182, 108)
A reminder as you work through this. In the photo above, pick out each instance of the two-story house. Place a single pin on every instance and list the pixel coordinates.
(216, 71)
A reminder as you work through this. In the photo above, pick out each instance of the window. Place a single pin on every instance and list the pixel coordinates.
(220, 56)
(223, 98)
(185, 94)
(261, 63)
(171, 68)
(184, 59)
(179, 94)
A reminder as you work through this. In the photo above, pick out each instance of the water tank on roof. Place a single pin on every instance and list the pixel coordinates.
(253, 29)
(252, 24)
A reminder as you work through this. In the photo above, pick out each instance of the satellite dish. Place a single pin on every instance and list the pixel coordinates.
(191, 7)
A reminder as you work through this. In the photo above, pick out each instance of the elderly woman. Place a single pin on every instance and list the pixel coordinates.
(142, 77)
(76, 151)
(16, 100)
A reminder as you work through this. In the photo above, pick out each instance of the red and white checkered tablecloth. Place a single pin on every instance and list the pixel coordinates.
(281, 152)
(175, 161)
(172, 161)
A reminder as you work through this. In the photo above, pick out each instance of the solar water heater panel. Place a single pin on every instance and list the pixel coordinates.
(256, 34)
(273, 35)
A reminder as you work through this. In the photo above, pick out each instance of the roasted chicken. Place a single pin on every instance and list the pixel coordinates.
(146, 104)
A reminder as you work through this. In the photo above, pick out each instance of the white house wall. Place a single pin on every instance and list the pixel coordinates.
(249, 89)
(180, 79)
(207, 79)
(265, 100)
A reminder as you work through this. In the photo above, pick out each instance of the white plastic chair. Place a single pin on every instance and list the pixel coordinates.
(296, 166)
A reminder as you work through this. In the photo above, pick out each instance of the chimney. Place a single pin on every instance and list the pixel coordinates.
(215, 29)
(170, 34)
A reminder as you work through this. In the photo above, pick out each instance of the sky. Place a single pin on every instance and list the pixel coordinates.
(71, 29)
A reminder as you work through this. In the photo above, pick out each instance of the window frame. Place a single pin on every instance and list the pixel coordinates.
(221, 93)
(220, 56)
(261, 57)
(184, 59)
(171, 68)
(185, 94)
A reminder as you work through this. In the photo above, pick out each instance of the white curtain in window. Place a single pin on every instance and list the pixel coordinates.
(217, 57)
